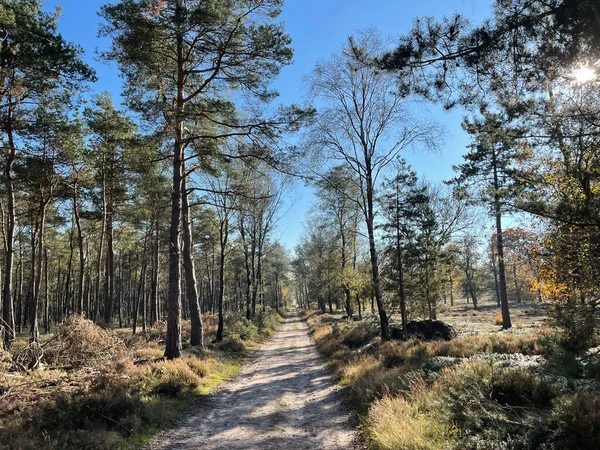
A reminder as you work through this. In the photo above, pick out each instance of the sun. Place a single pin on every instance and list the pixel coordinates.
(584, 74)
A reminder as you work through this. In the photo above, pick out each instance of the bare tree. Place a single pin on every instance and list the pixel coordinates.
(364, 124)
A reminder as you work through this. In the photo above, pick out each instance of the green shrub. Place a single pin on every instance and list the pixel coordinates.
(521, 388)
(230, 345)
(358, 336)
(238, 327)
(576, 422)
(578, 322)
(169, 378)
(266, 321)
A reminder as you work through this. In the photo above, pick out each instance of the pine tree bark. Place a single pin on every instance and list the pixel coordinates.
(155, 263)
(399, 256)
(81, 275)
(506, 323)
(34, 331)
(110, 264)
(191, 288)
(243, 235)
(8, 317)
(173, 339)
(223, 237)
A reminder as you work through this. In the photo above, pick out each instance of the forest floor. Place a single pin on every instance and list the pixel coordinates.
(487, 388)
(92, 388)
(527, 317)
(282, 399)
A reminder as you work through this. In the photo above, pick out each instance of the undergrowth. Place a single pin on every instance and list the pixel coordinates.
(500, 391)
(99, 389)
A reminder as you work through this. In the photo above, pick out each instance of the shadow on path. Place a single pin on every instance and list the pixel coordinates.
(282, 399)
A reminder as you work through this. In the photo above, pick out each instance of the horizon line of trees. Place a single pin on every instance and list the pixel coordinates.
(87, 191)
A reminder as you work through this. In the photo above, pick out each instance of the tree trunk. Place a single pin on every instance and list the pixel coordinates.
(506, 323)
(155, 262)
(110, 264)
(46, 294)
(173, 341)
(191, 289)
(347, 293)
(473, 294)
(81, 253)
(8, 317)
(495, 272)
(451, 290)
(34, 331)
(370, 216)
(140, 293)
(69, 271)
(223, 236)
(517, 287)
(247, 267)
(401, 292)
(99, 270)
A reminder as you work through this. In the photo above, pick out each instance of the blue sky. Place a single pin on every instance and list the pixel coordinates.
(318, 28)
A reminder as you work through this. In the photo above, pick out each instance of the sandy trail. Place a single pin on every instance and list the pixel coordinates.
(282, 399)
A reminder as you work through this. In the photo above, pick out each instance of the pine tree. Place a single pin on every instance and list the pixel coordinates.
(178, 59)
(490, 176)
(34, 61)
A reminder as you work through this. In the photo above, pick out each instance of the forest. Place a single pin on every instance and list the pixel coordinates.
(142, 266)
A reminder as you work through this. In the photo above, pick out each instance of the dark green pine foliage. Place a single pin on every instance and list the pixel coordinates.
(424, 252)
(402, 202)
(524, 43)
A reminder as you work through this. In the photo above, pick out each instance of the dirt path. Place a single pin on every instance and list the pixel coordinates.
(282, 399)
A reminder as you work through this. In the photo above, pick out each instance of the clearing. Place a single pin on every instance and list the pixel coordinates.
(283, 398)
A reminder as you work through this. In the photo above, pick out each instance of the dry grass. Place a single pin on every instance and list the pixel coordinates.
(79, 342)
(101, 389)
(450, 395)
(466, 321)
(398, 424)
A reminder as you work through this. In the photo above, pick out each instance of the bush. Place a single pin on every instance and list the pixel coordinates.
(576, 421)
(266, 321)
(521, 388)
(358, 336)
(578, 323)
(148, 353)
(202, 367)
(238, 327)
(391, 355)
(169, 378)
(230, 345)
